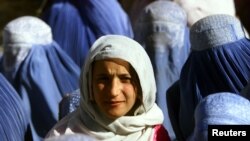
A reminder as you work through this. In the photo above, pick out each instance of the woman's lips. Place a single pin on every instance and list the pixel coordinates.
(114, 103)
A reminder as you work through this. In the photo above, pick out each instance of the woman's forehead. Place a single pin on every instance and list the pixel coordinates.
(114, 60)
(100, 66)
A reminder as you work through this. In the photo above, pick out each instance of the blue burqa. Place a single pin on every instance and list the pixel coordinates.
(218, 62)
(165, 37)
(14, 122)
(46, 74)
(76, 24)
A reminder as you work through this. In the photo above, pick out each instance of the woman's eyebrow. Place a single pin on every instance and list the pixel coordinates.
(125, 75)
(108, 74)
(101, 74)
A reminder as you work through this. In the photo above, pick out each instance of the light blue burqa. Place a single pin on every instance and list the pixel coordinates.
(14, 122)
(43, 75)
(163, 32)
(218, 62)
(223, 108)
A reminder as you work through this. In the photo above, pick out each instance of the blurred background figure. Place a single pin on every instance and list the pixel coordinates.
(76, 24)
(217, 63)
(162, 30)
(242, 11)
(134, 7)
(197, 10)
(14, 121)
(223, 108)
(38, 69)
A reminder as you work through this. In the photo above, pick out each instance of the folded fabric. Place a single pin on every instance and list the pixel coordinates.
(222, 108)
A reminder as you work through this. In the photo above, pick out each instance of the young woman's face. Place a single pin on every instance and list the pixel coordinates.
(113, 89)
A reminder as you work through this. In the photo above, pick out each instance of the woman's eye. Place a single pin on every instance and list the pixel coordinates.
(125, 79)
(103, 79)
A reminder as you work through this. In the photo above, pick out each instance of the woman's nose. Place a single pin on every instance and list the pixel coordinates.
(115, 87)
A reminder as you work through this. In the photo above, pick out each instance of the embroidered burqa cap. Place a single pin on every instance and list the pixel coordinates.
(160, 16)
(215, 30)
(19, 35)
(222, 108)
(26, 31)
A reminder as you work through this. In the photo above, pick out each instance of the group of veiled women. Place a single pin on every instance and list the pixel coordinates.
(98, 70)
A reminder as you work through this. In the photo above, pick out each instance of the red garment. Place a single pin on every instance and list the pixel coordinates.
(161, 134)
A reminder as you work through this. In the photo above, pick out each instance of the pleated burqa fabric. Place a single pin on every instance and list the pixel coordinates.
(13, 119)
(76, 24)
(45, 74)
(223, 108)
(218, 62)
(162, 30)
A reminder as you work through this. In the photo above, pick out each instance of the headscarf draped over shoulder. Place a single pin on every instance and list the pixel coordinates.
(88, 119)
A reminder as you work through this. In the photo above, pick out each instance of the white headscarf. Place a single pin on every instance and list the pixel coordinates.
(74, 137)
(88, 119)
